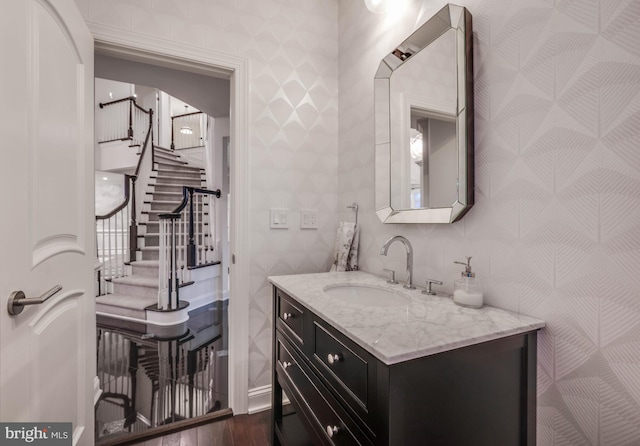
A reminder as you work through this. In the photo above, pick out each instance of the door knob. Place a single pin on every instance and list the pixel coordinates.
(17, 300)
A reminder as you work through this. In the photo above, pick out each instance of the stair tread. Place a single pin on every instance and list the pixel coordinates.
(166, 166)
(126, 301)
(173, 168)
(134, 280)
(146, 263)
(163, 202)
(164, 211)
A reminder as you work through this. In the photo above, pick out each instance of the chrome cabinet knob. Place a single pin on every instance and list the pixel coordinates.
(332, 430)
(286, 316)
(285, 365)
(331, 358)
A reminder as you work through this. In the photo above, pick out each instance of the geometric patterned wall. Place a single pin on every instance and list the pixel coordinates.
(292, 48)
(555, 231)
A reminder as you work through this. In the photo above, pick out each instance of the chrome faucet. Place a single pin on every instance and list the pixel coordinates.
(407, 245)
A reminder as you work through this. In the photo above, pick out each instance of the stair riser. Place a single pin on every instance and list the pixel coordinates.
(154, 240)
(146, 271)
(195, 182)
(109, 309)
(162, 154)
(150, 254)
(159, 196)
(153, 216)
(178, 172)
(175, 168)
(151, 240)
(168, 160)
(133, 290)
(155, 206)
(168, 188)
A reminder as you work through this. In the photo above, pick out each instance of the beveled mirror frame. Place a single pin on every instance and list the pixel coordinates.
(450, 17)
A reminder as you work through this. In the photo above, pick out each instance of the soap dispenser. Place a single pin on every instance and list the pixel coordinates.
(467, 291)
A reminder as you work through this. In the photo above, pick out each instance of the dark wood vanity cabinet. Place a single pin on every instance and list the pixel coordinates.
(340, 394)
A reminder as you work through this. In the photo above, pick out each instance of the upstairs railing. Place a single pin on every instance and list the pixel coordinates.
(188, 130)
(117, 231)
(186, 241)
(123, 120)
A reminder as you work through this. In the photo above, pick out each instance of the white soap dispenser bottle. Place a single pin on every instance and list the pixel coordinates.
(467, 291)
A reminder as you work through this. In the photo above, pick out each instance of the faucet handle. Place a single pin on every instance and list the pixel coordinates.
(428, 289)
(393, 280)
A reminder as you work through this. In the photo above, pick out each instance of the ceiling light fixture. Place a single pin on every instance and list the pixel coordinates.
(186, 130)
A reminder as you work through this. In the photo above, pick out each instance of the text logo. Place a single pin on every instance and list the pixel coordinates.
(35, 434)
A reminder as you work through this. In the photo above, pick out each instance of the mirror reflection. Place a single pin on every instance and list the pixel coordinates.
(424, 123)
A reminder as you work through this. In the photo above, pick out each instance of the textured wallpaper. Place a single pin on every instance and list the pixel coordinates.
(555, 232)
(292, 48)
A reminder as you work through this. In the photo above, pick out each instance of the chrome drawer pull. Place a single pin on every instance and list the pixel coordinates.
(286, 316)
(285, 365)
(332, 430)
(331, 358)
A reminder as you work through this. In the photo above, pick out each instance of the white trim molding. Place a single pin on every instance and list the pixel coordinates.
(260, 399)
(97, 391)
(126, 44)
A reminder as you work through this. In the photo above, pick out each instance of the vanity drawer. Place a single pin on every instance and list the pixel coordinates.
(331, 424)
(290, 315)
(348, 368)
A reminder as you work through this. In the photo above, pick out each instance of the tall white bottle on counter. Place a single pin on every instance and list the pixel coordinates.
(467, 291)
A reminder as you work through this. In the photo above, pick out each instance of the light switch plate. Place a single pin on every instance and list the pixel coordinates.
(308, 219)
(279, 219)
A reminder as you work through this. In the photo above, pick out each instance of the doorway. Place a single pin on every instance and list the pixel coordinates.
(235, 71)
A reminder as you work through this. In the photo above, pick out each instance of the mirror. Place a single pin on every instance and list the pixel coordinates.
(424, 123)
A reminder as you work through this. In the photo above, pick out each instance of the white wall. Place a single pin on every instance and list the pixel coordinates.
(555, 231)
(291, 47)
(180, 84)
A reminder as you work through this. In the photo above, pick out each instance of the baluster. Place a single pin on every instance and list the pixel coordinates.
(174, 281)
(133, 229)
(161, 263)
(102, 258)
(200, 228)
(130, 131)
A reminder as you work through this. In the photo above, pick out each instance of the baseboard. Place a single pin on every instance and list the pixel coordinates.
(260, 399)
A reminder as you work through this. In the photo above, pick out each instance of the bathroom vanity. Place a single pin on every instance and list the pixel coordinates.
(364, 362)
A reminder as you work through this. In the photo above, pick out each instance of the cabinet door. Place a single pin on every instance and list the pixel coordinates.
(318, 409)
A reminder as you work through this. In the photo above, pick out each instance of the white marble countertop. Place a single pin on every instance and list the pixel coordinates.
(425, 326)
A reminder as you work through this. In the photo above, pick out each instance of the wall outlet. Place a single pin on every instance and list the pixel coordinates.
(279, 219)
(308, 219)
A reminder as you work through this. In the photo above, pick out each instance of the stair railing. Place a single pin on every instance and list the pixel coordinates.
(117, 231)
(113, 239)
(188, 130)
(123, 120)
(186, 241)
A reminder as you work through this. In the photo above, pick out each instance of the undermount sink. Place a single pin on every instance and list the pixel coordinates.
(369, 295)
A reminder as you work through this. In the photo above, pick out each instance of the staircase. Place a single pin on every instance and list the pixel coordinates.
(136, 295)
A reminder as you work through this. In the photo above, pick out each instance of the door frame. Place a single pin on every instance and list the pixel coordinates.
(148, 49)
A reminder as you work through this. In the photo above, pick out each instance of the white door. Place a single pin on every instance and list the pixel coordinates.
(47, 353)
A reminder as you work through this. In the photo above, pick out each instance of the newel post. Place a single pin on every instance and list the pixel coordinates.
(133, 227)
(191, 247)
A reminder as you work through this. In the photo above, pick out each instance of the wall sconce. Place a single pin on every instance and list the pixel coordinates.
(377, 6)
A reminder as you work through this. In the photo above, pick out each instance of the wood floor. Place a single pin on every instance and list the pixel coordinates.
(240, 430)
